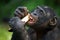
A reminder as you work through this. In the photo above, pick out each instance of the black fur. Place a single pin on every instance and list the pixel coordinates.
(43, 29)
(19, 31)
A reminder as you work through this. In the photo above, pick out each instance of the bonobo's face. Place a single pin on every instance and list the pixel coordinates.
(39, 18)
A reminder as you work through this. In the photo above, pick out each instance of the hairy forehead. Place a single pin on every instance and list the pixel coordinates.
(36, 10)
(44, 11)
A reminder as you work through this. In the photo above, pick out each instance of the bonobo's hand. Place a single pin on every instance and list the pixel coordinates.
(16, 24)
(21, 12)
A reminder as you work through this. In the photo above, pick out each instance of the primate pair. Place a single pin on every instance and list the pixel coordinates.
(43, 24)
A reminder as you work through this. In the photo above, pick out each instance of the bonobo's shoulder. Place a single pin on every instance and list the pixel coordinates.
(53, 35)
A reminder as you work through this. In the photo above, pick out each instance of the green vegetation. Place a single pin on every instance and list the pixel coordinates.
(4, 34)
(7, 7)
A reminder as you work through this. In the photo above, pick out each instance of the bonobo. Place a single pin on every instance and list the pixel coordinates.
(17, 26)
(43, 21)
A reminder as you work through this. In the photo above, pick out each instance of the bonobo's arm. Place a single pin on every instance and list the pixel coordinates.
(20, 12)
(19, 32)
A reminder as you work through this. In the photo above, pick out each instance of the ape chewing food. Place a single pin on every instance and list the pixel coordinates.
(26, 18)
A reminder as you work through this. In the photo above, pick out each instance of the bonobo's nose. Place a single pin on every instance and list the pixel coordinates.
(34, 16)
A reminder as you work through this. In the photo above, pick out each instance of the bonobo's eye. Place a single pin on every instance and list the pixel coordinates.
(35, 14)
(41, 11)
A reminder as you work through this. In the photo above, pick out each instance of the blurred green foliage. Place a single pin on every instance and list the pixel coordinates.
(4, 34)
(7, 8)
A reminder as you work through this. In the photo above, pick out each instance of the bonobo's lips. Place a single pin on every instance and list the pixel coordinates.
(31, 20)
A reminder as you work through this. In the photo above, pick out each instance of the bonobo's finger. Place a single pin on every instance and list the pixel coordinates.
(15, 22)
(21, 11)
(10, 30)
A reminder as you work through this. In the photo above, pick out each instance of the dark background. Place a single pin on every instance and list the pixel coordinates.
(7, 8)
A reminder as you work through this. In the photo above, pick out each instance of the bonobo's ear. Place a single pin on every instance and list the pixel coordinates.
(53, 21)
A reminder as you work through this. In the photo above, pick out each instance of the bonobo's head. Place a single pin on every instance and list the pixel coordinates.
(43, 17)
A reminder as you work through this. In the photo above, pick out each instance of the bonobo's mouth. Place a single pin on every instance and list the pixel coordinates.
(31, 20)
